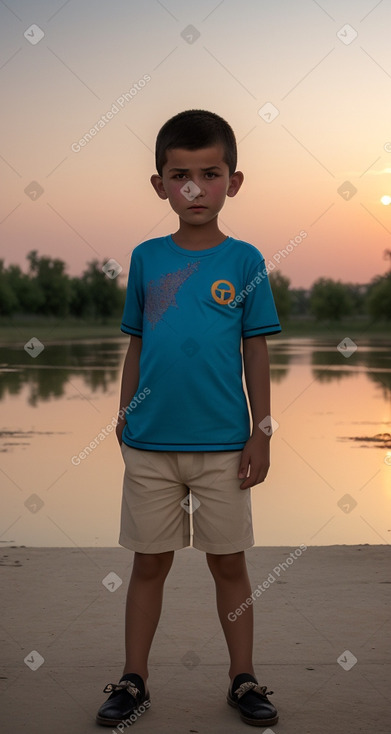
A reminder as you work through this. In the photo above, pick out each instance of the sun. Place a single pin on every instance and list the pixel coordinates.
(386, 200)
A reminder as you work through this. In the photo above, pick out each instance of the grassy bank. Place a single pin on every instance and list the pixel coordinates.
(18, 331)
(353, 328)
(48, 330)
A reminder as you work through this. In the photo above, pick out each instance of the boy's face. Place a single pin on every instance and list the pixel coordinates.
(205, 168)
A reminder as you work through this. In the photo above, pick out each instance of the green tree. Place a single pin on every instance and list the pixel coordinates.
(282, 297)
(379, 297)
(330, 299)
(80, 299)
(51, 279)
(300, 300)
(8, 300)
(27, 291)
(104, 296)
(357, 295)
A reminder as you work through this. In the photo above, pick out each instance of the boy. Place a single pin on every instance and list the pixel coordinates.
(185, 438)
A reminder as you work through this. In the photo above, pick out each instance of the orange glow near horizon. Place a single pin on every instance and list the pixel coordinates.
(314, 146)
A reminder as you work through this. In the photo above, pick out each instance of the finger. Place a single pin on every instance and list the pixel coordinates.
(243, 466)
(255, 477)
(248, 481)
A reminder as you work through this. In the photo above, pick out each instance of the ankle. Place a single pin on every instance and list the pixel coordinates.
(142, 673)
(233, 672)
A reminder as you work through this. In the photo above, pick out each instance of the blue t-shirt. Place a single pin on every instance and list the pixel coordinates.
(191, 308)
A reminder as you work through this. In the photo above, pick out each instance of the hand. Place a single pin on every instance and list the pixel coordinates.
(256, 455)
(118, 431)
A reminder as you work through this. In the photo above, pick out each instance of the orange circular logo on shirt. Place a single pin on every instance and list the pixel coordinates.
(223, 291)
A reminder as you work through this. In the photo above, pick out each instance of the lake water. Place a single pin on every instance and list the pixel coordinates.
(330, 476)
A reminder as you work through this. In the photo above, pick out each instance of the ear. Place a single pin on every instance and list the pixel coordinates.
(157, 183)
(235, 182)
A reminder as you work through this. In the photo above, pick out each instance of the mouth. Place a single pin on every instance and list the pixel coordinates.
(197, 206)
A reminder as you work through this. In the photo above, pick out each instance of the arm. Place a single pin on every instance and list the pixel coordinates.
(130, 380)
(256, 452)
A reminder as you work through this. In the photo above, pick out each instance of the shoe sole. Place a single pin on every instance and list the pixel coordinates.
(114, 722)
(253, 722)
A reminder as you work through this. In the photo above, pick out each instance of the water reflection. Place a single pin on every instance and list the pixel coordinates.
(379, 440)
(333, 442)
(99, 362)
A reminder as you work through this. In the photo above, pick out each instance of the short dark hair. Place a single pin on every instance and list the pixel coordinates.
(194, 129)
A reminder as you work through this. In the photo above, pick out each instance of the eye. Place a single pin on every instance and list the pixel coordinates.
(179, 176)
(211, 173)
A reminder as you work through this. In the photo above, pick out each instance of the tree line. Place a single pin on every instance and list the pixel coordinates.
(46, 289)
(332, 300)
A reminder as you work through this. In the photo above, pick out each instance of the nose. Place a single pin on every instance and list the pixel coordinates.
(199, 183)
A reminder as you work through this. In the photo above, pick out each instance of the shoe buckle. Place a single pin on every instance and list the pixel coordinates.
(124, 685)
(251, 685)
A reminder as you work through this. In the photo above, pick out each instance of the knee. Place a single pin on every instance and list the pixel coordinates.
(226, 567)
(151, 566)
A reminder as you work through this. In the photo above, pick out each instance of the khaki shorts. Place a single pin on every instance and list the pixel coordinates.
(172, 498)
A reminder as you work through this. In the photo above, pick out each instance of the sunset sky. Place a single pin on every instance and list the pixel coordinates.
(324, 66)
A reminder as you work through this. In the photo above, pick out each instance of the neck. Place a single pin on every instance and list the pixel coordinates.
(198, 237)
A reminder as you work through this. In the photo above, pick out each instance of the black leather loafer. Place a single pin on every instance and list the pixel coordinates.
(128, 700)
(251, 699)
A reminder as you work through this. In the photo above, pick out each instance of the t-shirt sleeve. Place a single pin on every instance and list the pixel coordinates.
(259, 311)
(132, 318)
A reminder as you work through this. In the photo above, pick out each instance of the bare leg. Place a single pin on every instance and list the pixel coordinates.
(232, 589)
(143, 608)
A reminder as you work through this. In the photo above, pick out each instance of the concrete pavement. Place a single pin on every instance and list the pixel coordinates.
(327, 603)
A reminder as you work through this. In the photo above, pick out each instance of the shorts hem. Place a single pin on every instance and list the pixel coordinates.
(162, 547)
(224, 548)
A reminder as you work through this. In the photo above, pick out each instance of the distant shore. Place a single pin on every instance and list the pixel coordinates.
(51, 330)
